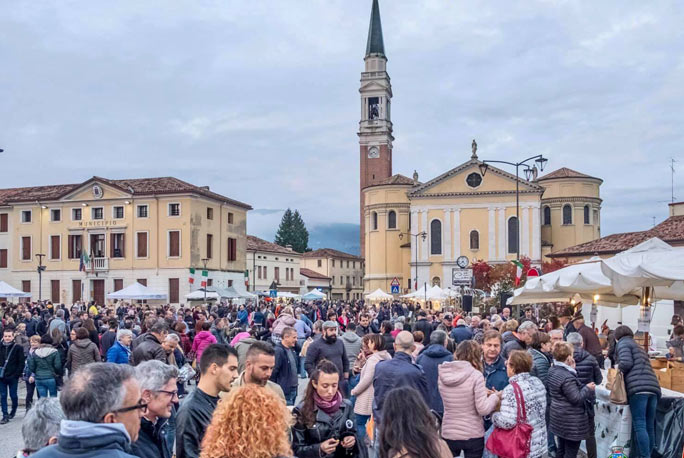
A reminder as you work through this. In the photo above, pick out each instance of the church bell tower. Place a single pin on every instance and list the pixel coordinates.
(375, 127)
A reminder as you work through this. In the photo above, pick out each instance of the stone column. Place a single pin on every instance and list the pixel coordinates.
(491, 229)
(525, 236)
(536, 234)
(424, 253)
(457, 233)
(413, 230)
(502, 234)
(446, 234)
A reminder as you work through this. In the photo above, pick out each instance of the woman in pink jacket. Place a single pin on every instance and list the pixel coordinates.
(466, 400)
(203, 339)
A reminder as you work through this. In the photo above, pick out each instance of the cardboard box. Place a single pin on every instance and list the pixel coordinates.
(677, 379)
(659, 363)
(664, 378)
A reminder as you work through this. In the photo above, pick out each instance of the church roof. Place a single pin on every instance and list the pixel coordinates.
(397, 179)
(565, 172)
(375, 45)
(331, 253)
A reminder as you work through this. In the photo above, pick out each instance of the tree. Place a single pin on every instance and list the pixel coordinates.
(292, 231)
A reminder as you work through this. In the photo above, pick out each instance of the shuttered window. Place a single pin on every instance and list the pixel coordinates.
(3, 259)
(118, 284)
(3, 222)
(54, 291)
(75, 246)
(174, 290)
(174, 244)
(75, 290)
(26, 248)
(210, 243)
(142, 244)
(232, 249)
(54, 247)
(116, 247)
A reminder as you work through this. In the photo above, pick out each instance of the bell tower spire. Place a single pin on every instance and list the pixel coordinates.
(375, 127)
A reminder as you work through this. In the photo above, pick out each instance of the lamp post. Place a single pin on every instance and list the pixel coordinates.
(422, 234)
(40, 269)
(204, 261)
(530, 173)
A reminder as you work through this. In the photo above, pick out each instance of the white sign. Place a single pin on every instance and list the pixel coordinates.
(644, 321)
(461, 277)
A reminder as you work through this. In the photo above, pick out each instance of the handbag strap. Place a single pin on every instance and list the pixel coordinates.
(9, 355)
(520, 401)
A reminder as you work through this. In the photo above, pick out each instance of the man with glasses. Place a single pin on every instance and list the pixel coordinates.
(150, 347)
(159, 392)
(103, 407)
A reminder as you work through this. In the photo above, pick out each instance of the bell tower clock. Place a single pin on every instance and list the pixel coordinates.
(375, 127)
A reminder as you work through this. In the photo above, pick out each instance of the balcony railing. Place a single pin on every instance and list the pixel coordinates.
(97, 264)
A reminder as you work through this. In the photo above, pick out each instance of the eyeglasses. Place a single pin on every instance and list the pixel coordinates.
(141, 405)
(172, 394)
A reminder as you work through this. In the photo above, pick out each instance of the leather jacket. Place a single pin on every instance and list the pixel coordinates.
(307, 440)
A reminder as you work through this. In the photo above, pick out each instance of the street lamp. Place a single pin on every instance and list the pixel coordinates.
(530, 173)
(423, 235)
(204, 261)
(40, 269)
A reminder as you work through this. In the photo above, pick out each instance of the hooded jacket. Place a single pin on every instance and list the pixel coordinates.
(45, 363)
(80, 439)
(430, 359)
(364, 389)
(462, 387)
(202, 340)
(352, 345)
(285, 319)
(82, 352)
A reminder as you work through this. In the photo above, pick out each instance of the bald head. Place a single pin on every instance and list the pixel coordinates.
(404, 342)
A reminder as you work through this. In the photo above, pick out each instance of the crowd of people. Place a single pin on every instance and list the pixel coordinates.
(389, 380)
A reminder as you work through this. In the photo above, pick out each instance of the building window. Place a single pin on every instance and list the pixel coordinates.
(567, 214)
(76, 214)
(4, 224)
(97, 213)
(347, 264)
(3, 258)
(436, 237)
(54, 291)
(174, 209)
(116, 246)
(341, 280)
(26, 248)
(174, 290)
(141, 244)
(354, 265)
(392, 220)
(474, 180)
(55, 249)
(259, 272)
(210, 213)
(75, 246)
(547, 216)
(436, 281)
(232, 249)
(55, 215)
(586, 214)
(474, 240)
(210, 243)
(142, 211)
(118, 284)
(231, 217)
(276, 273)
(320, 263)
(265, 273)
(118, 212)
(374, 221)
(596, 216)
(26, 216)
(174, 244)
(513, 235)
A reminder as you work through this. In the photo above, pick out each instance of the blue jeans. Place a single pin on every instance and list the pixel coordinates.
(643, 408)
(8, 384)
(291, 397)
(45, 387)
(361, 421)
(302, 370)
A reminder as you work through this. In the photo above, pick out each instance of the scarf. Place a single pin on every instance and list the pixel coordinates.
(329, 407)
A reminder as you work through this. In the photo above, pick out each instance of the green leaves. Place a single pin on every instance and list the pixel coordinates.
(292, 231)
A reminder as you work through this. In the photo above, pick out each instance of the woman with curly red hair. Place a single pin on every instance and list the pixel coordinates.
(250, 423)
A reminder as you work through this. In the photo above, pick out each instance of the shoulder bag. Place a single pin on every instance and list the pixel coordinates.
(514, 442)
(9, 355)
(618, 392)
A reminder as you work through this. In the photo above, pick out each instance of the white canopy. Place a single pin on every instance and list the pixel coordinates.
(198, 295)
(287, 295)
(434, 293)
(379, 295)
(9, 291)
(651, 263)
(313, 295)
(137, 291)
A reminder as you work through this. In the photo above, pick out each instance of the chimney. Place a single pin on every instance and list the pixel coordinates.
(205, 188)
(289, 247)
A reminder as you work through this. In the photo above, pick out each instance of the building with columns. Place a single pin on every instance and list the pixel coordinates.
(415, 231)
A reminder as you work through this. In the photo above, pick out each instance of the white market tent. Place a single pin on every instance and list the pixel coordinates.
(199, 295)
(314, 294)
(379, 295)
(287, 295)
(9, 291)
(137, 291)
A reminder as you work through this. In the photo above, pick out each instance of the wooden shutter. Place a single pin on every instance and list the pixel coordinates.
(3, 222)
(233, 250)
(3, 258)
(26, 286)
(174, 244)
(173, 291)
(210, 242)
(54, 287)
(26, 248)
(142, 244)
(54, 247)
(142, 281)
(111, 245)
(76, 290)
(118, 284)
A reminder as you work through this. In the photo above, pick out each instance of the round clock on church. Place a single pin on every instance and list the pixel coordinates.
(462, 262)
(373, 152)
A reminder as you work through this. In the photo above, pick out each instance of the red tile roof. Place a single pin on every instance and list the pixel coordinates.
(330, 253)
(671, 231)
(136, 186)
(565, 172)
(397, 179)
(312, 274)
(257, 244)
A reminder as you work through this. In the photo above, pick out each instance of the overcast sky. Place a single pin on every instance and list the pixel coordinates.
(259, 99)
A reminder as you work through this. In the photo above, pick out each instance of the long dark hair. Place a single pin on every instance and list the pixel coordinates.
(412, 429)
(307, 413)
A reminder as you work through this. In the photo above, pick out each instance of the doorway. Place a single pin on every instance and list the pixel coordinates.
(99, 292)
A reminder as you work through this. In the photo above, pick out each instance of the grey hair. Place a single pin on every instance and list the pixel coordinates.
(153, 374)
(121, 333)
(160, 325)
(173, 337)
(95, 390)
(59, 313)
(575, 338)
(438, 337)
(399, 325)
(41, 423)
(527, 326)
(556, 331)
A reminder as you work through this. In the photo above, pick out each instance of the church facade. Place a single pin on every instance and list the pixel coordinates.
(415, 231)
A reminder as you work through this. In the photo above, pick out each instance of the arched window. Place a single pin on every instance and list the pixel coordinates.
(567, 214)
(436, 237)
(547, 215)
(374, 221)
(392, 220)
(474, 240)
(436, 281)
(586, 214)
(513, 235)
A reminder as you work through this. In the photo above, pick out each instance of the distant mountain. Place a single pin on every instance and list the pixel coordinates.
(340, 236)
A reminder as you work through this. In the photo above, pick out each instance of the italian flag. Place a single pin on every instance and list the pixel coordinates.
(518, 272)
(191, 278)
(205, 275)
(247, 278)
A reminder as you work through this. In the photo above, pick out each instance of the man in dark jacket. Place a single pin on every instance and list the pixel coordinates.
(285, 369)
(521, 339)
(588, 371)
(109, 337)
(218, 329)
(11, 368)
(396, 372)
(424, 326)
(330, 348)
(218, 369)
(150, 345)
(364, 325)
(494, 367)
(461, 332)
(429, 359)
(592, 344)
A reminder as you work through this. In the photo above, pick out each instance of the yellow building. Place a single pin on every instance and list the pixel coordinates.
(150, 230)
(344, 270)
(415, 232)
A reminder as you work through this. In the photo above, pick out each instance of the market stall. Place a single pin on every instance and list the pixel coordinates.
(7, 290)
(137, 291)
(314, 295)
(379, 295)
(201, 295)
